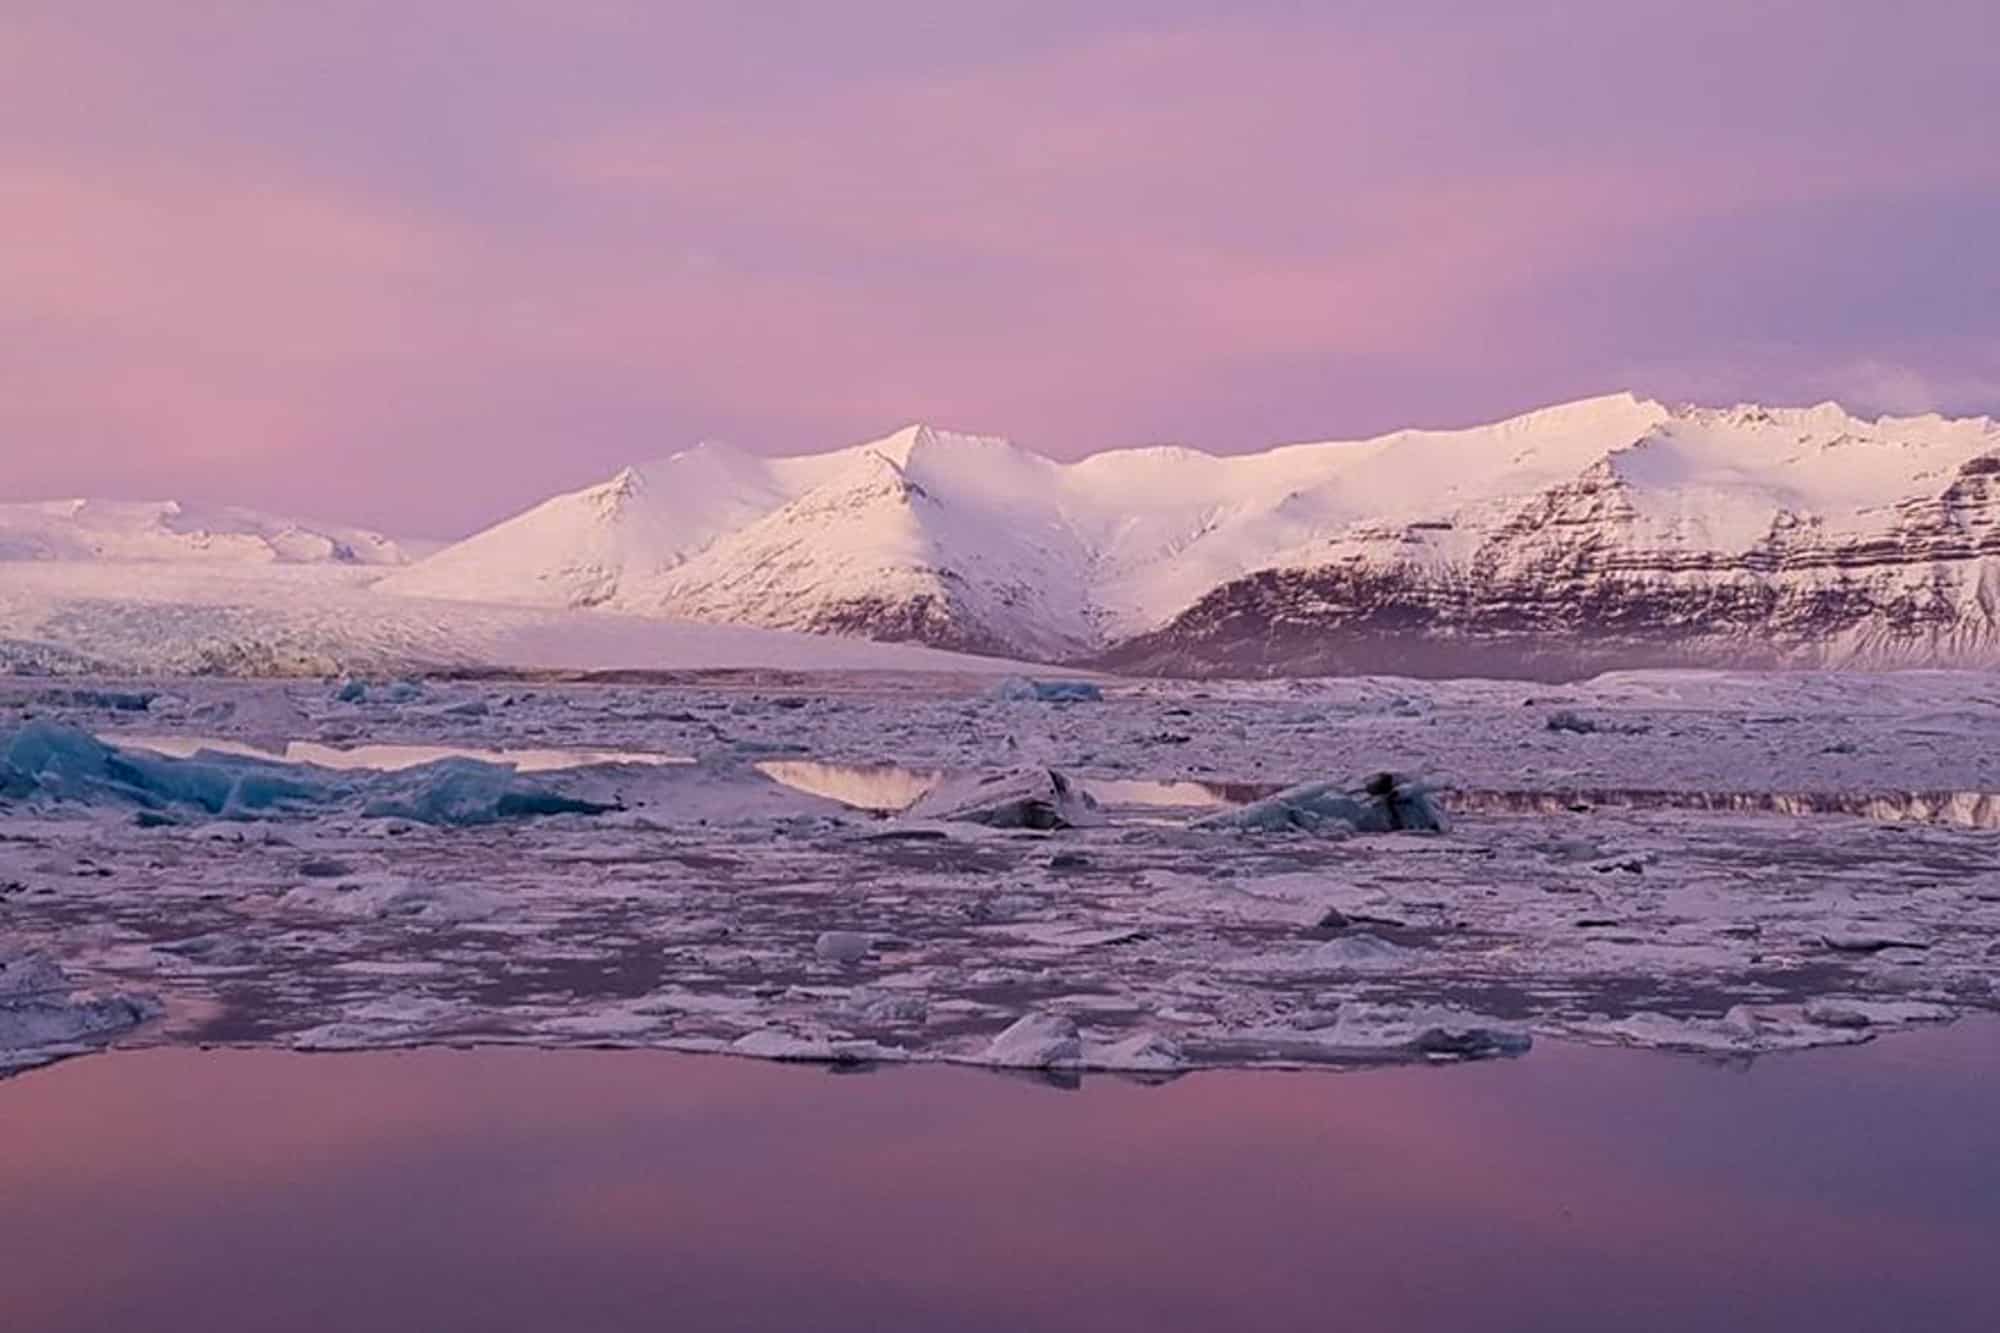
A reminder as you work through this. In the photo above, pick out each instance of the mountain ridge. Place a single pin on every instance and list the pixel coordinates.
(1611, 531)
(168, 531)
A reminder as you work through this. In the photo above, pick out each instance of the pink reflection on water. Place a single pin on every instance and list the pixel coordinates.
(511, 1189)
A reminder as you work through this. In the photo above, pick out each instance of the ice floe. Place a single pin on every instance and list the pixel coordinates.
(1748, 899)
(1421, 1030)
(1017, 689)
(1384, 803)
(43, 1016)
(1019, 799)
(1036, 1041)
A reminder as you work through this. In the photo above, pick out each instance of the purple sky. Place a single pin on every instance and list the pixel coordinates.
(417, 264)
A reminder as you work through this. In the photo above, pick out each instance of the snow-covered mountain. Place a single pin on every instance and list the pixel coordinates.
(1613, 531)
(590, 547)
(1748, 536)
(165, 531)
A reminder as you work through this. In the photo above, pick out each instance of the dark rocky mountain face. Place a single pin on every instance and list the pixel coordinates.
(1568, 587)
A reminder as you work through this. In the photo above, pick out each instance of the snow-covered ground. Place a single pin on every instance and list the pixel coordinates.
(1846, 880)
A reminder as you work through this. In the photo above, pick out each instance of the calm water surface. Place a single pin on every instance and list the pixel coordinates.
(517, 1190)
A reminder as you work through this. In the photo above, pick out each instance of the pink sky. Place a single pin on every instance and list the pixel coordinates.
(417, 265)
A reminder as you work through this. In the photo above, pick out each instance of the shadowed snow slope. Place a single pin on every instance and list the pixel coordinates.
(1608, 532)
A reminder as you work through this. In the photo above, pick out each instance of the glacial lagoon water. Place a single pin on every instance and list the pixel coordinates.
(889, 787)
(512, 1189)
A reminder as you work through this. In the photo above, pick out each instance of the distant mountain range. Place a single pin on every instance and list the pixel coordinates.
(152, 531)
(1604, 533)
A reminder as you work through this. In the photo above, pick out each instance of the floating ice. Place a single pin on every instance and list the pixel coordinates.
(841, 946)
(1140, 1053)
(389, 1021)
(53, 761)
(1841, 1012)
(43, 1017)
(1386, 803)
(267, 716)
(689, 917)
(1427, 1030)
(1036, 1041)
(462, 791)
(889, 1008)
(1030, 798)
(390, 897)
(1361, 951)
(774, 1044)
(1020, 689)
(1743, 1030)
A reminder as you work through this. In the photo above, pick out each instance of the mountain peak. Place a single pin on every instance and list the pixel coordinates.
(1613, 412)
(921, 437)
(971, 538)
(898, 444)
(708, 448)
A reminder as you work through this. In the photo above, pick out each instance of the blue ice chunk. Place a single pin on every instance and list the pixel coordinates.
(1385, 803)
(53, 761)
(465, 792)
(63, 762)
(1021, 689)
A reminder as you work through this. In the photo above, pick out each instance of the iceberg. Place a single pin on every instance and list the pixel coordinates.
(1025, 798)
(51, 761)
(462, 792)
(1385, 803)
(1020, 689)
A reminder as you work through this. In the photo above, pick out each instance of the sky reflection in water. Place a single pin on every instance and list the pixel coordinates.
(514, 1189)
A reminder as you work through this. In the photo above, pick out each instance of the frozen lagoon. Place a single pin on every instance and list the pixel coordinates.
(515, 1190)
(1732, 864)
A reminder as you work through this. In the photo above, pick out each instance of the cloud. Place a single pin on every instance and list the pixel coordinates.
(276, 254)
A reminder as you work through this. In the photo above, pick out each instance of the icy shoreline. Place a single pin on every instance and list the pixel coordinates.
(710, 906)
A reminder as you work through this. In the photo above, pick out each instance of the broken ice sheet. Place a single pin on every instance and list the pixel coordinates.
(692, 917)
(44, 1015)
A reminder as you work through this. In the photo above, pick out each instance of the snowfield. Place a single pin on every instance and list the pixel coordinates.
(1146, 877)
